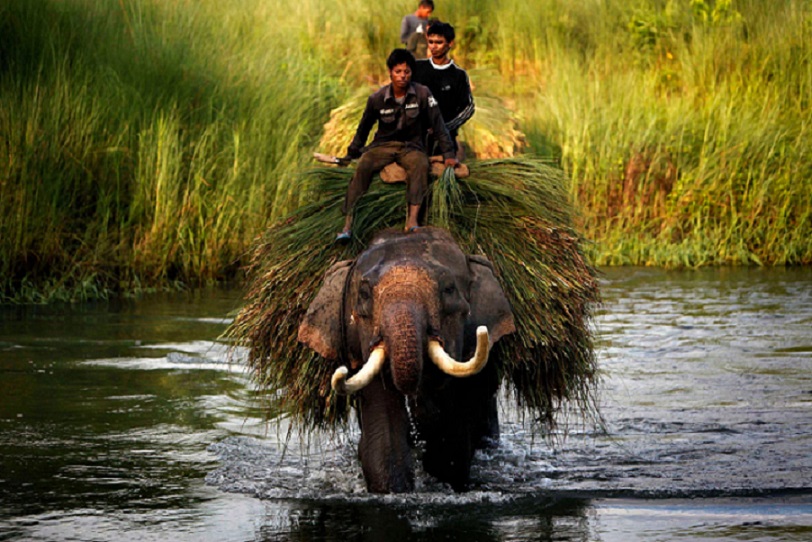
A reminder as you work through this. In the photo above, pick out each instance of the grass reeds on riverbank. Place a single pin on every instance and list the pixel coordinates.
(684, 129)
(514, 211)
(145, 143)
(148, 148)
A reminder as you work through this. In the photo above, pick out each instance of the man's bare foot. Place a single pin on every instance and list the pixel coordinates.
(411, 218)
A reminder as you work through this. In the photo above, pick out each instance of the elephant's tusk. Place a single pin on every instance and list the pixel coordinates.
(452, 367)
(341, 384)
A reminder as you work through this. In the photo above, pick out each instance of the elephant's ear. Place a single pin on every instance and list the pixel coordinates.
(321, 327)
(489, 305)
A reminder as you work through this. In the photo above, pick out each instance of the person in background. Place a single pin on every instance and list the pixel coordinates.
(404, 111)
(417, 44)
(417, 21)
(448, 82)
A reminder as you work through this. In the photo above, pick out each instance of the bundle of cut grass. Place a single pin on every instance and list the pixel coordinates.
(493, 131)
(514, 211)
(340, 129)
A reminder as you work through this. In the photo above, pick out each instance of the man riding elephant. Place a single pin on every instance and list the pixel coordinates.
(404, 112)
(449, 84)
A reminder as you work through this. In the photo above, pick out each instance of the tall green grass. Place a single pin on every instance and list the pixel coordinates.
(145, 143)
(684, 127)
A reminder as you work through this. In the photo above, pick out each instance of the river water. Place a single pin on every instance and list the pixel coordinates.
(127, 421)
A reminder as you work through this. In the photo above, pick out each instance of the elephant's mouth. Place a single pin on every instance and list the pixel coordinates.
(445, 362)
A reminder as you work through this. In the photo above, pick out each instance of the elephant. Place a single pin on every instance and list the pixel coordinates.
(398, 318)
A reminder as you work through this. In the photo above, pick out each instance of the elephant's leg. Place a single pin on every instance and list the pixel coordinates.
(459, 421)
(487, 429)
(448, 433)
(482, 407)
(386, 457)
(449, 451)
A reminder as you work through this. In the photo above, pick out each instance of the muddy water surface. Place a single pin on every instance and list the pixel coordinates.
(126, 421)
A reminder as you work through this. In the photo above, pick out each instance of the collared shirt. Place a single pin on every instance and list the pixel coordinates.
(407, 122)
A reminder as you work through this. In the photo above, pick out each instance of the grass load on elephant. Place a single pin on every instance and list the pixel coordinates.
(420, 331)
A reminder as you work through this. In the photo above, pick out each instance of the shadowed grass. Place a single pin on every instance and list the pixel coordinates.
(144, 143)
(514, 211)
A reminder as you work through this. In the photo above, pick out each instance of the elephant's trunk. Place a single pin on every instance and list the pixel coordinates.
(404, 326)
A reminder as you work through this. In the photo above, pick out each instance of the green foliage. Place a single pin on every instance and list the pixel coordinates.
(685, 141)
(715, 12)
(145, 143)
(446, 197)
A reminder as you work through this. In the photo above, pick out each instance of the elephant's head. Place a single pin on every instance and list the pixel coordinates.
(408, 299)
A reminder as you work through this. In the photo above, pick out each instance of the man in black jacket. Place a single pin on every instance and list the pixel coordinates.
(404, 111)
(448, 82)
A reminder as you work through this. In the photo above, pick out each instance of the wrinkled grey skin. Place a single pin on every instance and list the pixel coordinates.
(404, 289)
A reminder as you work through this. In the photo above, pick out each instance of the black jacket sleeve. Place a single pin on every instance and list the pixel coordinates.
(466, 107)
(438, 126)
(368, 120)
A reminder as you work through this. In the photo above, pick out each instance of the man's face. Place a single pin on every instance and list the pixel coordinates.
(424, 12)
(400, 75)
(438, 46)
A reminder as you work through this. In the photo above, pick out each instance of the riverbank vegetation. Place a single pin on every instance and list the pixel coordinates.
(145, 143)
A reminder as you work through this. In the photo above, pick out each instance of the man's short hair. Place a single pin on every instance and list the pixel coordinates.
(400, 56)
(442, 29)
(427, 4)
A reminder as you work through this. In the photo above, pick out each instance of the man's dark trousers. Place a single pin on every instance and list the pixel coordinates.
(414, 161)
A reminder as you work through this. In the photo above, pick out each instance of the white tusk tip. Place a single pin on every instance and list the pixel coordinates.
(337, 381)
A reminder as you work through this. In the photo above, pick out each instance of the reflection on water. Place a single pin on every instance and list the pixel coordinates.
(127, 422)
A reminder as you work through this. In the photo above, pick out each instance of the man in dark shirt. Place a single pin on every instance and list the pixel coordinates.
(448, 82)
(404, 111)
(417, 21)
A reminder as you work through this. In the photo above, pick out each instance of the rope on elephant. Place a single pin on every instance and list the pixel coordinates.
(515, 211)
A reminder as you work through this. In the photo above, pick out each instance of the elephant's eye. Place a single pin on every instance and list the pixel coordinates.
(452, 300)
(364, 307)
